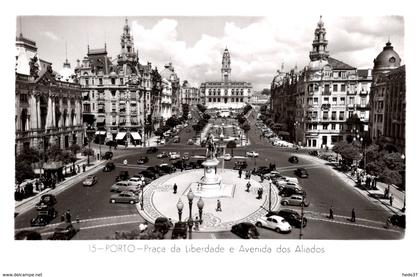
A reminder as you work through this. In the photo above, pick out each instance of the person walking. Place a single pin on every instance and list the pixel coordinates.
(68, 216)
(391, 199)
(248, 186)
(219, 206)
(353, 216)
(240, 173)
(175, 188)
(331, 213)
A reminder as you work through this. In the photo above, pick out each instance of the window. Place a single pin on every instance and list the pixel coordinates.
(341, 116)
(324, 126)
(114, 107)
(332, 126)
(113, 81)
(335, 87)
(342, 100)
(326, 99)
(351, 100)
(93, 106)
(363, 101)
(327, 88)
(325, 115)
(86, 81)
(343, 87)
(350, 114)
(333, 115)
(121, 81)
(315, 100)
(100, 82)
(334, 100)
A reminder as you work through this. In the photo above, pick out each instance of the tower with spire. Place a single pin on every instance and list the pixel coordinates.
(319, 44)
(128, 52)
(225, 66)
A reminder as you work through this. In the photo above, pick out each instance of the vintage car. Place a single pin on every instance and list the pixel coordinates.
(124, 197)
(274, 222)
(65, 232)
(47, 200)
(245, 230)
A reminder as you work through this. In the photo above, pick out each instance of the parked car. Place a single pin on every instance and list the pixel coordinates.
(166, 168)
(180, 230)
(190, 142)
(240, 165)
(123, 176)
(124, 197)
(174, 155)
(280, 184)
(291, 216)
(124, 186)
(149, 174)
(143, 160)
(295, 200)
(44, 217)
(245, 230)
(176, 139)
(64, 232)
(252, 154)
(90, 180)
(151, 150)
(28, 235)
(136, 181)
(398, 220)
(262, 170)
(274, 222)
(47, 200)
(155, 170)
(108, 155)
(109, 166)
(178, 164)
(227, 157)
(163, 224)
(293, 160)
(162, 155)
(289, 191)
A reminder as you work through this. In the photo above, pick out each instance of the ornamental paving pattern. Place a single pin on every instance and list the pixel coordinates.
(160, 200)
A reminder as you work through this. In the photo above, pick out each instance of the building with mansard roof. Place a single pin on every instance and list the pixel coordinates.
(189, 95)
(48, 107)
(116, 93)
(331, 97)
(227, 93)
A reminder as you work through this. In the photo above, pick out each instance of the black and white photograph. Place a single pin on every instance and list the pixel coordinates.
(160, 134)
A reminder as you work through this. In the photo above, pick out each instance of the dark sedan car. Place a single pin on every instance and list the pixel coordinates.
(293, 160)
(289, 191)
(166, 168)
(245, 230)
(301, 172)
(47, 200)
(291, 216)
(262, 170)
(108, 155)
(143, 160)
(180, 230)
(163, 224)
(151, 150)
(109, 167)
(64, 232)
(149, 174)
(28, 235)
(123, 176)
(398, 220)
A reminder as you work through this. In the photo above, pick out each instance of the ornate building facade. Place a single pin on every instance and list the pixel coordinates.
(387, 100)
(226, 93)
(189, 95)
(332, 98)
(48, 106)
(116, 92)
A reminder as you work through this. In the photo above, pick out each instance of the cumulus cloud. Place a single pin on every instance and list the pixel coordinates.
(259, 49)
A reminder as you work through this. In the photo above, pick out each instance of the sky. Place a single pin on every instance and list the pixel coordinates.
(258, 45)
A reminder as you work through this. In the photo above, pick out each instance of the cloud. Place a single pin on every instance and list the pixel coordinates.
(258, 49)
(51, 35)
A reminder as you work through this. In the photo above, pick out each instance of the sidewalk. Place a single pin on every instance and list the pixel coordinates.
(27, 203)
(373, 194)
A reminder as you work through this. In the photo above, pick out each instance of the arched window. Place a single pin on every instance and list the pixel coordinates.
(23, 118)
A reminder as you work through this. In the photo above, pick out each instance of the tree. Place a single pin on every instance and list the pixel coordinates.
(74, 148)
(54, 153)
(246, 127)
(348, 151)
(231, 144)
(30, 155)
(23, 170)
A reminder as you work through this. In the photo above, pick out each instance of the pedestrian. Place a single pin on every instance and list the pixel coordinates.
(353, 215)
(175, 188)
(240, 173)
(391, 199)
(78, 168)
(219, 206)
(248, 186)
(68, 216)
(386, 193)
(331, 213)
(84, 167)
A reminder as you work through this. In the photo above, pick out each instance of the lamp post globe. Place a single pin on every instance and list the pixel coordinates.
(180, 206)
(200, 205)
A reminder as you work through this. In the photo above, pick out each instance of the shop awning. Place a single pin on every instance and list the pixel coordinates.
(120, 136)
(135, 135)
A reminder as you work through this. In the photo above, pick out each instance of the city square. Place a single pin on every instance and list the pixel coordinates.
(119, 149)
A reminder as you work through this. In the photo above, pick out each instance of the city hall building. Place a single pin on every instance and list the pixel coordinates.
(227, 93)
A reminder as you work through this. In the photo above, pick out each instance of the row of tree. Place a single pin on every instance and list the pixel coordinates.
(382, 160)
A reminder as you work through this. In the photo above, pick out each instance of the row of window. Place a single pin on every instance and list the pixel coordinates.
(226, 100)
(336, 100)
(100, 82)
(334, 114)
(324, 126)
(335, 87)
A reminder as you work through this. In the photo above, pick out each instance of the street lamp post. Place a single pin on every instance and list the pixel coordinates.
(269, 196)
(142, 188)
(200, 205)
(190, 197)
(301, 221)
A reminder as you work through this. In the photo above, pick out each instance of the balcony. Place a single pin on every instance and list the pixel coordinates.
(362, 106)
(351, 92)
(326, 106)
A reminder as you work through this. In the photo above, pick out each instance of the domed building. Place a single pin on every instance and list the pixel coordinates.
(387, 99)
